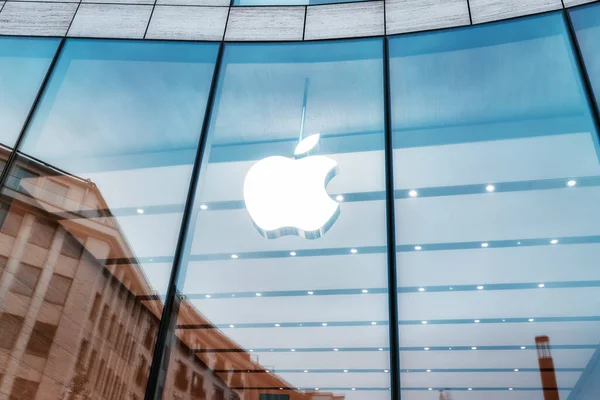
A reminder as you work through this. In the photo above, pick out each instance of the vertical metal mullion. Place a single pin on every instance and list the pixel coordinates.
(391, 230)
(583, 73)
(13, 154)
(166, 328)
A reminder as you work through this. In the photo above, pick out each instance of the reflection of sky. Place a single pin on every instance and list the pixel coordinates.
(23, 64)
(127, 116)
(498, 104)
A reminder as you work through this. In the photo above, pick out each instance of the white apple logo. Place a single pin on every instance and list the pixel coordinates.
(287, 196)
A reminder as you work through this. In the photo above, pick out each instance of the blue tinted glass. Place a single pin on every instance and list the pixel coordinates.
(287, 274)
(91, 212)
(586, 21)
(23, 65)
(497, 184)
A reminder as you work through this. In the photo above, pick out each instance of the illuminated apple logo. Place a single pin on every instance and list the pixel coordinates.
(287, 196)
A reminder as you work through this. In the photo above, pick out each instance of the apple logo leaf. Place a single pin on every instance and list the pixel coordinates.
(307, 144)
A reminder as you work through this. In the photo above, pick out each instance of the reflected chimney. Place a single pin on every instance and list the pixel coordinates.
(546, 364)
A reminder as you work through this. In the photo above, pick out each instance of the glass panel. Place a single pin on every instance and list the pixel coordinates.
(497, 185)
(23, 65)
(586, 22)
(92, 212)
(285, 276)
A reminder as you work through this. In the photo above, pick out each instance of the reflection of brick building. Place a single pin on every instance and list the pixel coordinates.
(79, 319)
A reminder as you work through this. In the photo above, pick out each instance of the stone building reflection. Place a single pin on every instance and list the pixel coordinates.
(79, 319)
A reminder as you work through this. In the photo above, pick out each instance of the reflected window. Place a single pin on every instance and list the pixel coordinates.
(41, 339)
(10, 326)
(285, 271)
(26, 279)
(497, 182)
(24, 389)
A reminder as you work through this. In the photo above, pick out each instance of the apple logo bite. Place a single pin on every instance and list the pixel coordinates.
(287, 196)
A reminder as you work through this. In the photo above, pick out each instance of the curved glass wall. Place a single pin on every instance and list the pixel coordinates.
(278, 311)
(91, 212)
(496, 185)
(282, 288)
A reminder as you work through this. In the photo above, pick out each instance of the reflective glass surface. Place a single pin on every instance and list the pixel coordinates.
(23, 65)
(498, 232)
(284, 278)
(90, 215)
(586, 22)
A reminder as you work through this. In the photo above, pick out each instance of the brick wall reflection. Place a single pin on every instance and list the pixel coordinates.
(79, 320)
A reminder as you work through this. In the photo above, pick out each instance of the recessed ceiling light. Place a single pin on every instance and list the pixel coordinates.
(345, 370)
(554, 241)
(365, 291)
(477, 321)
(305, 370)
(430, 389)
(413, 193)
(203, 207)
(531, 319)
(426, 348)
(353, 388)
(277, 325)
(470, 389)
(418, 248)
(353, 251)
(339, 197)
(336, 349)
(571, 183)
(292, 253)
(324, 324)
(510, 388)
(234, 256)
(484, 244)
(523, 347)
(232, 326)
(490, 188)
(480, 287)
(421, 289)
(140, 210)
(373, 323)
(311, 292)
(518, 242)
(292, 349)
(428, 370)
(424, 322)
(386, 371)
(250, 350)
(516, 369)
(541, 285)
(207, 296)
(474, 348)
(380, 349)
(258, 294)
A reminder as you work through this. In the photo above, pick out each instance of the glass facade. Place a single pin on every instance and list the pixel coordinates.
(210, 221)
(496, 169)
